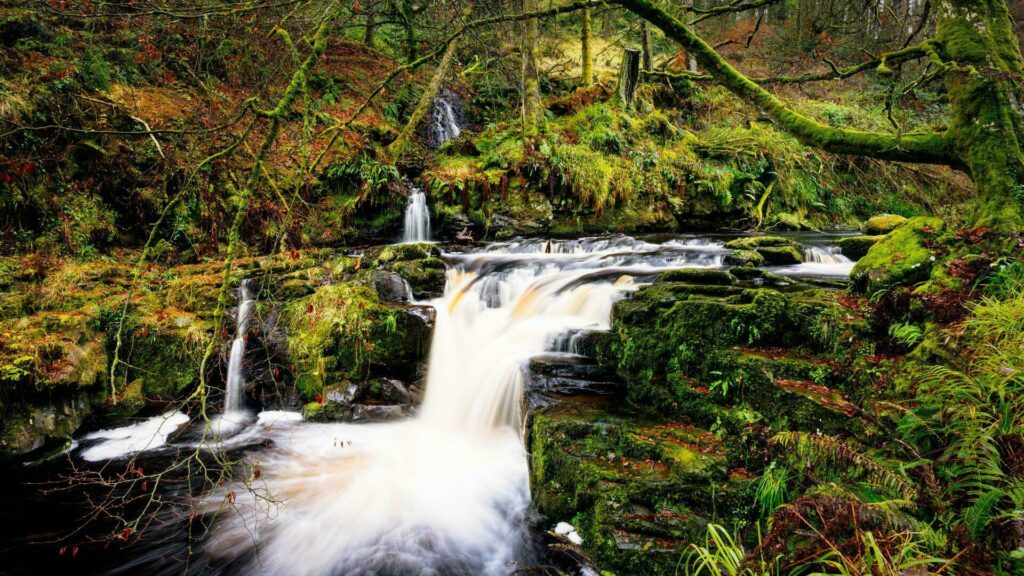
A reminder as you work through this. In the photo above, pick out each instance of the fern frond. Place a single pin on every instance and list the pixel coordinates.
(833, 451)
(979, 516)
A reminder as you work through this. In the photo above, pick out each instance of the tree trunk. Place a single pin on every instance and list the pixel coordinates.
(629, 74)
(530, 78)
(586, 52)
(976, 40)
(370, 36)
(396, 148)
(645, 44)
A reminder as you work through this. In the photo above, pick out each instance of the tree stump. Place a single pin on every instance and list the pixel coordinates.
(629, 76)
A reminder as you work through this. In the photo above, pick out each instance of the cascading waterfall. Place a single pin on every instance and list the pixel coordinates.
(821, 262)
(417, 218)
(827, 255)
(235, 379)
(445, 115)
(448, 491)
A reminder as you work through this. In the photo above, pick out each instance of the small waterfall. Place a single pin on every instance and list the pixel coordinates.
(828, 255)
(235, 381)
(417, 218)
(445, 118)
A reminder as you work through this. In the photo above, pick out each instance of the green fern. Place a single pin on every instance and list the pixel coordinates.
(979, 516)
(836, 454)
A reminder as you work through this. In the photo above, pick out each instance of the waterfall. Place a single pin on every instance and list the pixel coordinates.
(417, 218)
(829, 255)
(445, 114)
(446, 492)
(235, 380)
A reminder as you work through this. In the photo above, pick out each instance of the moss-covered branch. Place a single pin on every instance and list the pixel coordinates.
(879, 64)
(926, 147)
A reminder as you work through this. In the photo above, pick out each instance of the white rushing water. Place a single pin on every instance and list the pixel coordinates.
(444, 118)
(825, 262)
(448, 491)
(235, 379)
(417, 218)
(145, 435)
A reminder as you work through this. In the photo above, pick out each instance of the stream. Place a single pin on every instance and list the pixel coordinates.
(443, 492)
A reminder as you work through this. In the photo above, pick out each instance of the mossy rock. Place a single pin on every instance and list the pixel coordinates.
(426, 276)
(520, 213)
(638, 491)
(855, 247)
(698, 276)
(671, 341)
(903, 257)
(883, 224)
(744, 258)
(31, 424)
(755, 242)
(344, 331)
(790, 221)
(781, 255)
(381, 255)
(760, 276)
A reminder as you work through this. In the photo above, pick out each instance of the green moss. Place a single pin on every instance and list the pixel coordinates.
(900, 258)
(673, 342)
(855, 247)
(744, 258)
(698, 276)
(755, 242)
(343, 331)
(883, 224)
(426, 276)
(631, 487)
(781, 255)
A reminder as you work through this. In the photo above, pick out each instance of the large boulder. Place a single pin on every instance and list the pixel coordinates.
(855, 247)
(883, 224)
(773, 250)
(903, 257)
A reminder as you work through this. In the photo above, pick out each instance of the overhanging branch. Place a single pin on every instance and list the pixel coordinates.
(925, 147)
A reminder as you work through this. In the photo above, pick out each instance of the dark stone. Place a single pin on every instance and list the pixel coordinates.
(563, 373)
(391, 287)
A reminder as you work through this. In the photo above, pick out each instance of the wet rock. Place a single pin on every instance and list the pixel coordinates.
(699, 276)
(760, 277)
(426, 277)
(386, 390)
(855, 247)
(781, 255)
(902, 257)
(744, 258)
(883, 224)
(377, 412)
(391, 287)
(567, 374)
(755, 242)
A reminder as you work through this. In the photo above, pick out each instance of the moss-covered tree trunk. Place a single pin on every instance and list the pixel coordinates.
(645, 45)
(370, 35)
(586, 52)
(978, 52)
(976, 43)
(629, 76)
(531, 79)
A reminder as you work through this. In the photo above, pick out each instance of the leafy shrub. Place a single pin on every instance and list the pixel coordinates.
(95, 70)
